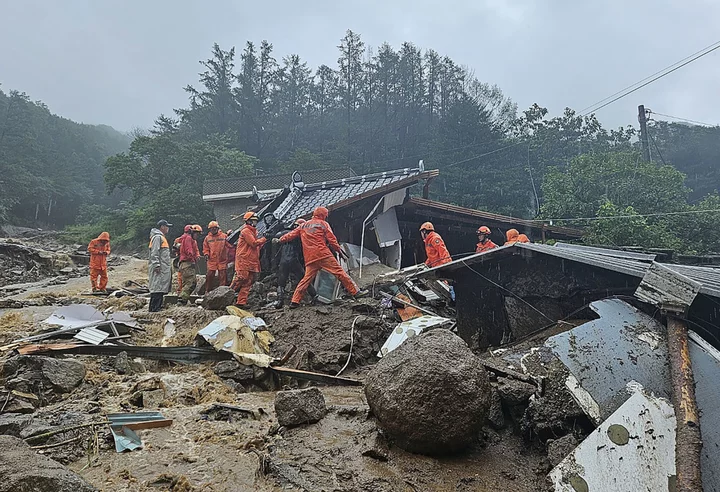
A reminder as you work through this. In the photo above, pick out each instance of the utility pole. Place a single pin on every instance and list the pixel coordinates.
(643, 133)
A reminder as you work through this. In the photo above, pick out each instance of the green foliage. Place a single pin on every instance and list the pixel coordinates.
(50, 166)
(164, 175)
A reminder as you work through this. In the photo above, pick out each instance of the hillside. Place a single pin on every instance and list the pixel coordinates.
(50, 166)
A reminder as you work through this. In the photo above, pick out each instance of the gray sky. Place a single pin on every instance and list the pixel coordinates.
(123, 63)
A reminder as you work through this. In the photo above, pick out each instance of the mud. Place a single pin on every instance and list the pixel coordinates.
(206, 449)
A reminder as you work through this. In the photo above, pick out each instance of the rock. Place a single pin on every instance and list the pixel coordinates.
(124, 365)
(559, 448)
(295, 407)
(67, 270)
(496, 417)
(430, 395)
(22, 469)
(153, 399)
(43, 376)
(218, 299)
(13, 423)
(18, 405)
(232, 369)
(513, 392)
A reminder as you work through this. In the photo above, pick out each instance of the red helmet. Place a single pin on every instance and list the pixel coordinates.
(483, 230)
(188, 228)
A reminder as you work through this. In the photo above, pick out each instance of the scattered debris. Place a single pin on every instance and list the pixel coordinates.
(409, 329)
(45, 377)
(296, 407)
(124, 425)
(431, 395)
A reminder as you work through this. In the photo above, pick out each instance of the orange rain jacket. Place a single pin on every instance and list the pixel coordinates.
(247, 253)
(436, 251)
(317, 237)
(512, 236)
(215, 248)
(486, 246)
(99, 249)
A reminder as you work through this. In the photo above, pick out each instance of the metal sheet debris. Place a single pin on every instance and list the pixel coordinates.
(124, 425)
(236, 335)
(74, 316)
(633, 450)
(706, 369)
(409, 329)
(604, 355)
(91, 335)
(667, 289)
(174, 354)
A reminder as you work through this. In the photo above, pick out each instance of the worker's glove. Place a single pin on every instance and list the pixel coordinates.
(207, 257)
(276, 240)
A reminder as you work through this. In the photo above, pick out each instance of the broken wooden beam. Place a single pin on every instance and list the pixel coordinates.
(315, 376)
(688, 447)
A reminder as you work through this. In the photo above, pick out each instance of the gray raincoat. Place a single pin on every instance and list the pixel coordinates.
(159, 282)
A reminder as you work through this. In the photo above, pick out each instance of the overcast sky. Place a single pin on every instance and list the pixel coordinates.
(125, 62)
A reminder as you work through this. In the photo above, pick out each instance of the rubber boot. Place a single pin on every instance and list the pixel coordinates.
(280, 297)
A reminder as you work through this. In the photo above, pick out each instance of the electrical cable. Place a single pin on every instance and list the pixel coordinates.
(352, 342)
(684, 119)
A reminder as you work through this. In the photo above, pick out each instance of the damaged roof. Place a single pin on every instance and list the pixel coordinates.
(304, 198)
(242, 186)
(433, 208)
(614, 260)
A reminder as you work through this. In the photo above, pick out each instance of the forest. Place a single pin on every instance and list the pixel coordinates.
(253, 111)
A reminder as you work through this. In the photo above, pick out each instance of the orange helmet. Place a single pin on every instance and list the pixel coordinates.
(427, 226)
(321, 213)
(213, 223)
(196, 228)
(250, 216)
(299, 222)
(512, 234)
(483, 230)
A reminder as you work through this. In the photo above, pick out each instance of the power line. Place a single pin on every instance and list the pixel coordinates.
(648, 82)
(683, 119)
(647, 78)
(660, 214)
(615, 97)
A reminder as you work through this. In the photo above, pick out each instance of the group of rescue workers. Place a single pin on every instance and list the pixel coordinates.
(311, 243)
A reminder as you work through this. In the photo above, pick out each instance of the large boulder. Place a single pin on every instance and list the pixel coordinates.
(22, 469)
(296, 407)
(220, 298)
(430, 395)
(43, 376)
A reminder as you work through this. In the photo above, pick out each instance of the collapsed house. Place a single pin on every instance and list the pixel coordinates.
(624, 367)
(378, 213)
(232, 196)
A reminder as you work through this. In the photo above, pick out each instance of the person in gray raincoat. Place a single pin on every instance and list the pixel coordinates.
(159, 265)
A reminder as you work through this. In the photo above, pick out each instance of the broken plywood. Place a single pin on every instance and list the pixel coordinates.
(633, 450)
(605, 354)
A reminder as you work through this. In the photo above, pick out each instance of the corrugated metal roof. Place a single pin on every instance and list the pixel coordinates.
(91, 335)
(271, 181)
(708, 277)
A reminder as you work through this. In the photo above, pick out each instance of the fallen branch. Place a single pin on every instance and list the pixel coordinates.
(64, 429)
(57, 444)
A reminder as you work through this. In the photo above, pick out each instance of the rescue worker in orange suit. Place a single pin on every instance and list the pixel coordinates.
(318, 245)
(522, 238)
(247, 258)
(215, 251)
(189, 254)
(99, 249)
(512, 237)
(484, 242)
(291, 263)
(435, 249)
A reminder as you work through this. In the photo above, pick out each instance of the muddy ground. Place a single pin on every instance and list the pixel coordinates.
(206, 449)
